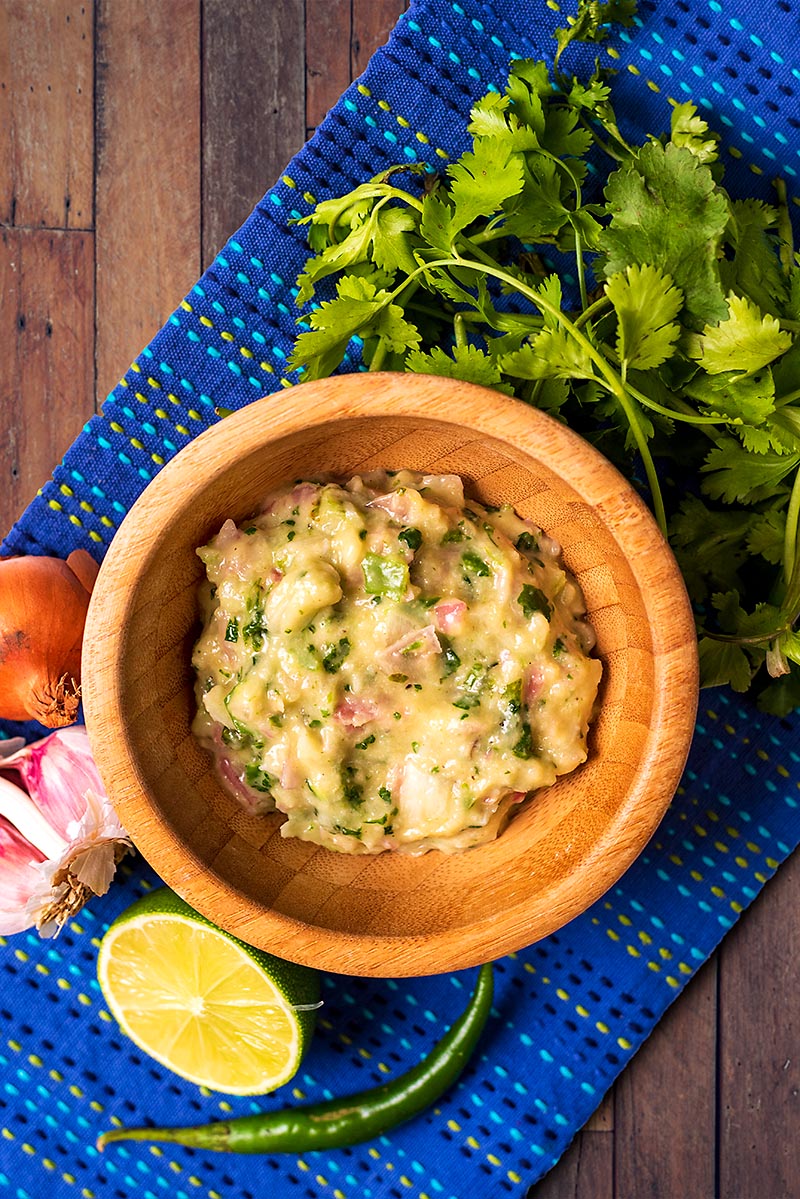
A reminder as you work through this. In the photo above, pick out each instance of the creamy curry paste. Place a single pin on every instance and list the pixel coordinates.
(389, 664)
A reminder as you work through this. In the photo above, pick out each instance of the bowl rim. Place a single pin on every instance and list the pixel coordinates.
(424, 398)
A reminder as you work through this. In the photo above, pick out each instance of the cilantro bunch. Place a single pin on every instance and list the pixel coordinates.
(621, 289)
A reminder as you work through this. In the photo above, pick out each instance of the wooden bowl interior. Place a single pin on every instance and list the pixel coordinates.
(388, 895)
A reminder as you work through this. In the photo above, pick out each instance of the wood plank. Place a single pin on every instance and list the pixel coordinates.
(665, 1103)
(328, 40)
(586, 1171)
(148, 172)
(46, 114)
(46, 367)
(759, 1102)
(253, 106)
(603, 1118)
(373, 21)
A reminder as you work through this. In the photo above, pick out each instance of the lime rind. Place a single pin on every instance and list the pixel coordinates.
(213, 1009)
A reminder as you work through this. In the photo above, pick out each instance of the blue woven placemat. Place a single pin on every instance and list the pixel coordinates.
(570, 1011)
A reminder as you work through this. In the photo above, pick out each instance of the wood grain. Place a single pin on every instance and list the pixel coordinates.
(602, 1120)
(148, 187)
(46, 363)
(586, 1171)
(759, 1047)
(253, 106)
(329, 33)
(46, 114)
(665, 1108)
(373, 21)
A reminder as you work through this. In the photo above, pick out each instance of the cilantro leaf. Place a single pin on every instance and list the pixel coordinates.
(761, 622)
(592, 24)
(646, 304)
(563, 135)
(723, 662)
(550, 289)
(367, 223)
(436, 224)
(765, 536)
(589, 95)
(754, 268)
(710, 546)
(667, 211)
(467, 362)
(360, 309)
(488, 116)
(733, 473)
(539, 211)
(391, 249)
(483, 179)
(748, 403)
(552, 354)
(793, 302)
(746, 341)
(693, 314)
(782, 696)
(691, 132)
(527, 88)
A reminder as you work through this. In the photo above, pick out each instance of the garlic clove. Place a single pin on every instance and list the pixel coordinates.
(20, 811)
(62, 840)
(58, 771)
(19, 878)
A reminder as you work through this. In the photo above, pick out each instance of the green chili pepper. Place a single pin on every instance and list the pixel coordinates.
(385, 575)
(340, 1122)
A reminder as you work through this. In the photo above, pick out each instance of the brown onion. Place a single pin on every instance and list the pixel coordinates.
(43, 604)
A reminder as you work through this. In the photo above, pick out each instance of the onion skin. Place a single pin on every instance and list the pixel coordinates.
(43, 604)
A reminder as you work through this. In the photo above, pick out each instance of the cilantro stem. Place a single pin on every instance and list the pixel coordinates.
(561, 165)
(377, 360)
(494, 231)
(580, 265)
(756, 639)
(691, 417)
(591, 312)
(785, 231)
(688, 418)
(791, 530)
(610, 378)
(606, 147)
(460, 331)
(484, 258)
(438, 314)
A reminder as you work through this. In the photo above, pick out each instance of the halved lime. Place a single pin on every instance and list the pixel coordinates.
(209, 1007)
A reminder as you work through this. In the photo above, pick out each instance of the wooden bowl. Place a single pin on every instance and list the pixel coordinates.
(389, 915)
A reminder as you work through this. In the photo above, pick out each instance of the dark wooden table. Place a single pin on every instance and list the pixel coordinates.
(134, 138)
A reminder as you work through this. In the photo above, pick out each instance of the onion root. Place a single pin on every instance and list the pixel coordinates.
(43, 605)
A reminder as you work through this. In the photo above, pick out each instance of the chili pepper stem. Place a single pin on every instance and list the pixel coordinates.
(340, 1122)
